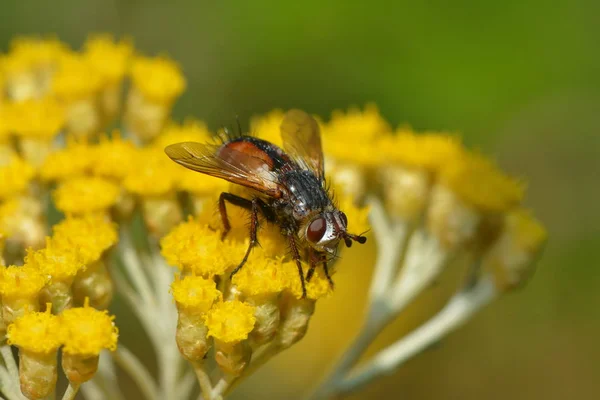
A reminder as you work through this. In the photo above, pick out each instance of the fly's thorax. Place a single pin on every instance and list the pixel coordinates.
(305, 193)
(323, 230)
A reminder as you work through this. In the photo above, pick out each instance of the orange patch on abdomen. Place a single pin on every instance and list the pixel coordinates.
(250, 149)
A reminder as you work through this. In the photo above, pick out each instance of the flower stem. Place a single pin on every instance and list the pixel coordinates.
(459, 309)
(203, 380)
(10, 388)
(71, 391)
(9, 361)
(132, 264)
(140, 375)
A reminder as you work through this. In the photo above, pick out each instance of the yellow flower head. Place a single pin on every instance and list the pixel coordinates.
(16, 63)
(76, 78)
(91, 234)
(267, 126)
(155, 173)
(362, 129)
(478, 182)
(60, 263)
(429, 151)
(190, 131)
(318, 286)
(74, 160)
(39, 52)
(195, 294)
(195, 248)
(261, 275)
(21, 282)
(87, 331)
(36, 332)
(15, 177)
(43, 118)
(159, 78)
(86, 195)
(529, 234)
(114, 157)
(230, 321)
(109, 58)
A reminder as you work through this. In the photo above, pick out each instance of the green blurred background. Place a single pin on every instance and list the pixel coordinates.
(519, 79)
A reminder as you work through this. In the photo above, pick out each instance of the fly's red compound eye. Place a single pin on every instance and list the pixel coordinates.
(316, 229)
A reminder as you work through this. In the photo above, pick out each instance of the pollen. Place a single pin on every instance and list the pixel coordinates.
(317, 288)
(154, 176)
(75, 78)
(114, 157)
(91, 235)
(15, 177)
(74, 160)
(479, 182)
(195, 294)
(230, 321)
(261, 275)
(43, 118)
(21, 282)
(159, 79)
(87, 331)
(60, 263)
(196, 248)
(108, 57)
(86, 195)
(36, 332)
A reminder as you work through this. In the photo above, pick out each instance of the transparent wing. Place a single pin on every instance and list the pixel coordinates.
(302, 140)
(225, 163)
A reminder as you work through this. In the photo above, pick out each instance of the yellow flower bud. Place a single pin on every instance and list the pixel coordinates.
(20, 288)
(361, 128)
(22, 220)
(74, 160)
(38, 337)
(86, 195)
(86, 332)
(194, 296)
(230, 323)
(512, 257)
(480, 184)
(295, 316)
(93, 283)
(114, 157)
(198, 250)
(61, 264)
(77, 84)
(91, 234)
(15, 177)
(157, 82)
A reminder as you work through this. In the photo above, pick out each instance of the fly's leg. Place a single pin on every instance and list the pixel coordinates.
(327, 274)
(235, 200)
(254, 207)
(314, 259)
(296, 256)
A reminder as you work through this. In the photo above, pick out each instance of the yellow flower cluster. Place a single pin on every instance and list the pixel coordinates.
(54, 152)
